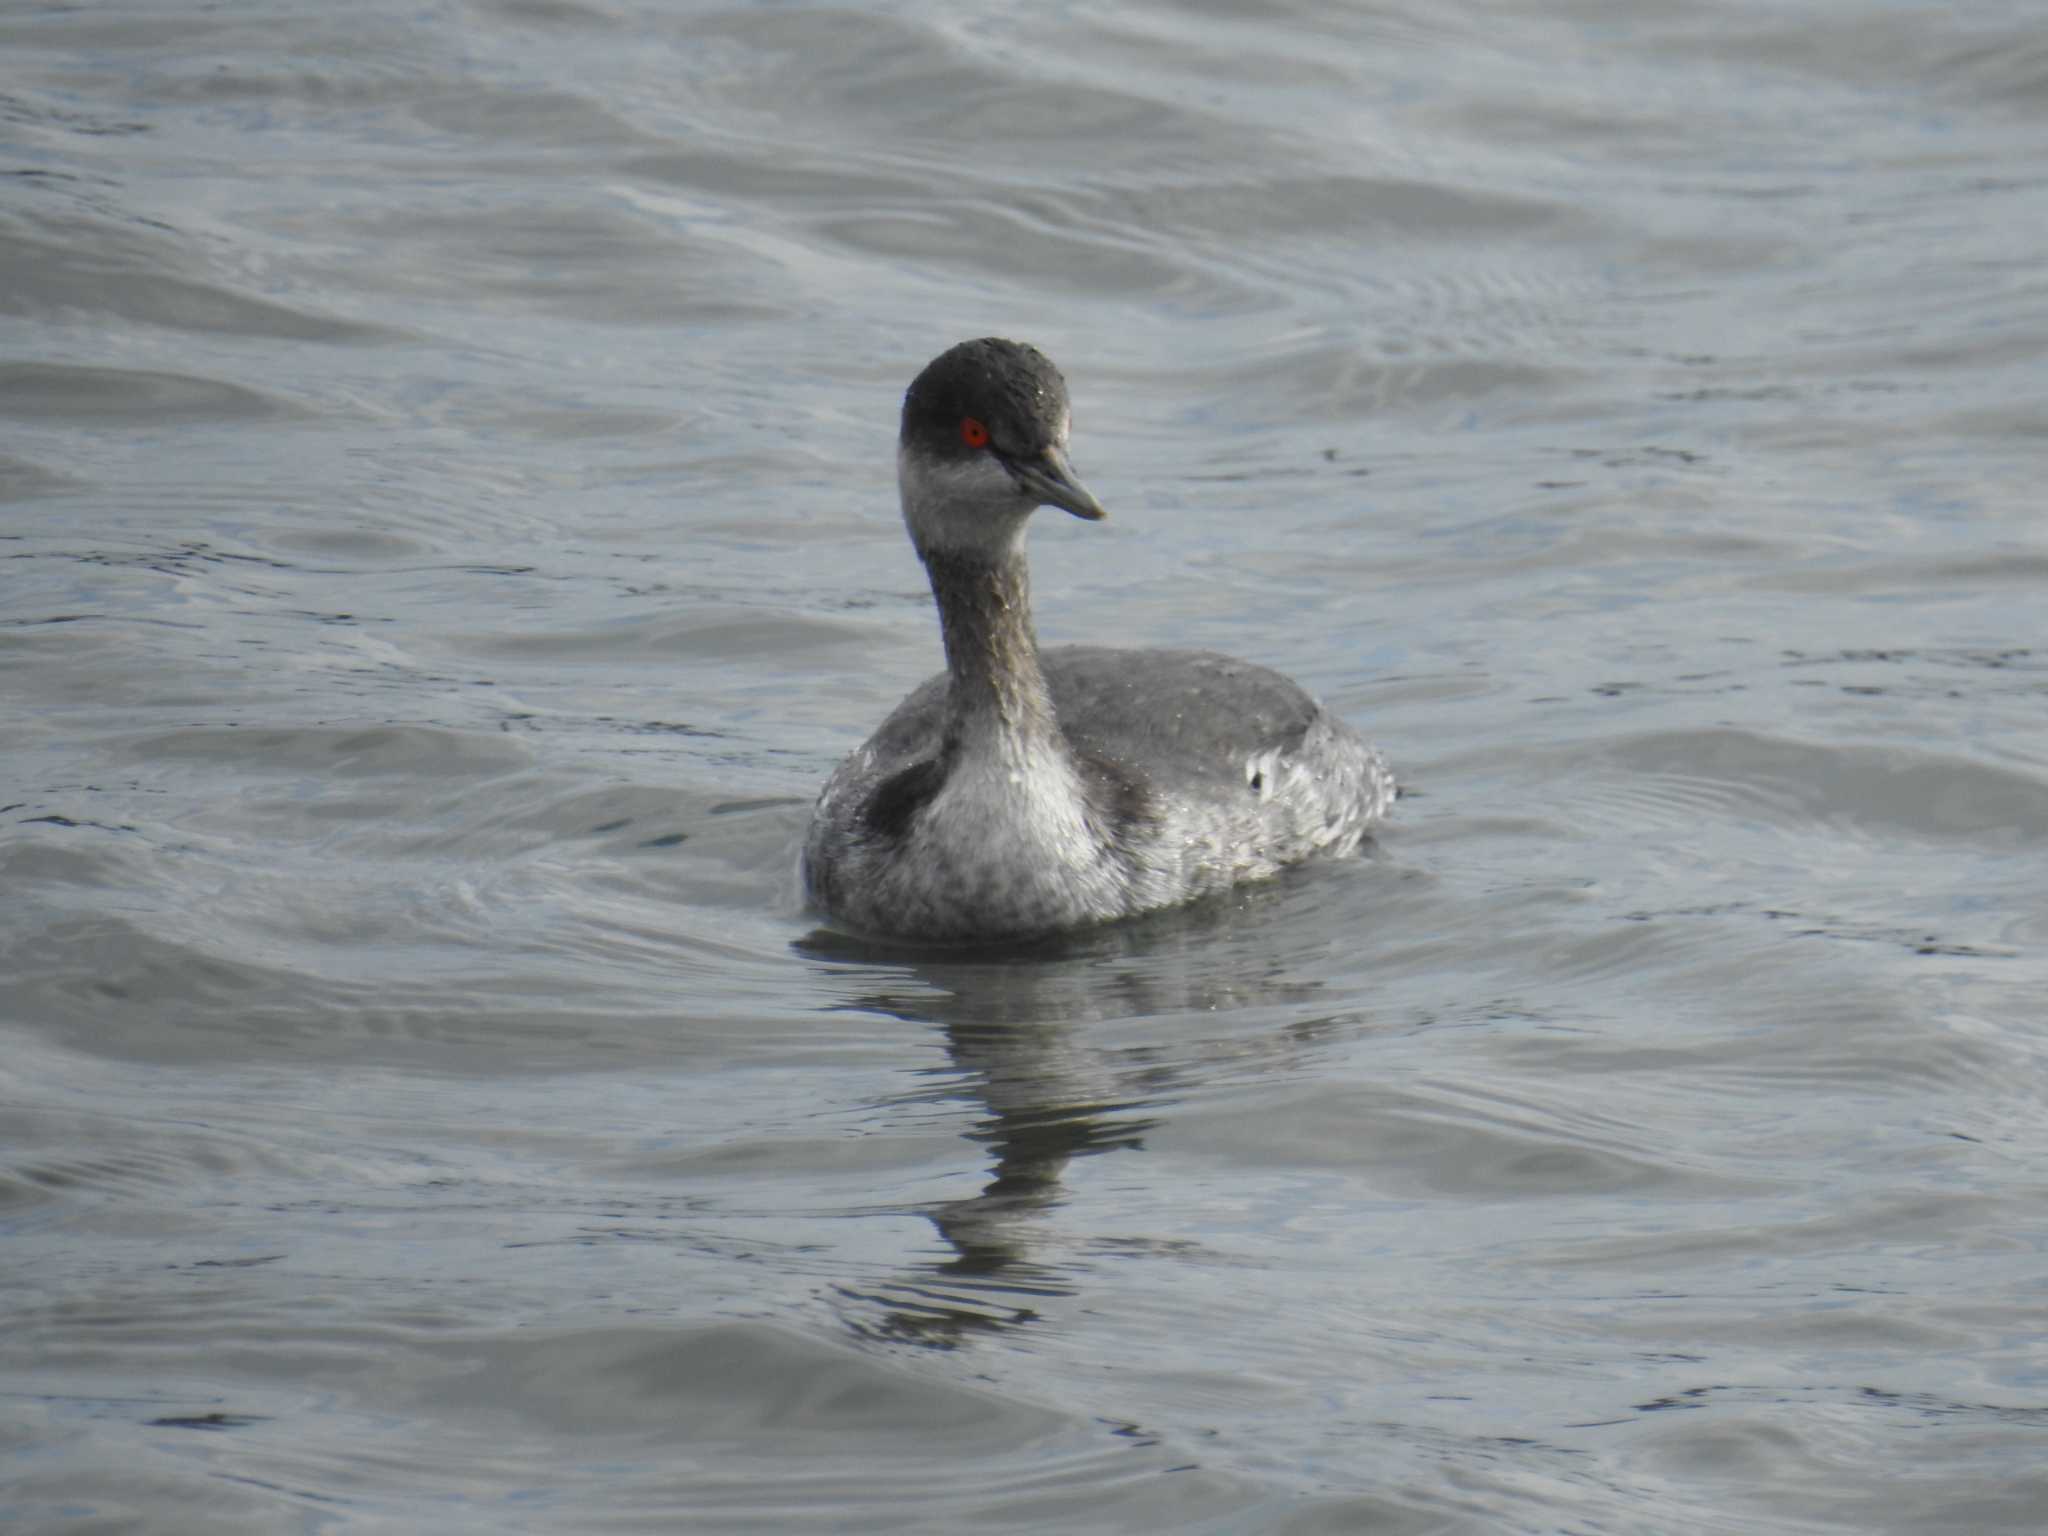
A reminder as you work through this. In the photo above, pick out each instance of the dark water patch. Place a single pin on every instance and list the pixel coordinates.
(53, 392)
(1879, 790)
(213, 1422)
(410, 751)
(602, 265)
(82, 267)
(24, 480)
(816, 177)
(28, 114)
(695, 632)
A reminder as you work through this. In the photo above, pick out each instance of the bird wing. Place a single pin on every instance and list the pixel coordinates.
(1190, 719)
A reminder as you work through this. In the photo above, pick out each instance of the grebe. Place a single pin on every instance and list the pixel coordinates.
(1022, 792)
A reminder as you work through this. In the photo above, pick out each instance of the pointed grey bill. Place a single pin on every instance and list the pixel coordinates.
(1052, 480)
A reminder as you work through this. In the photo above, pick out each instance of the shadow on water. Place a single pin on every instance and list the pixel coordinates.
(1053, 1093)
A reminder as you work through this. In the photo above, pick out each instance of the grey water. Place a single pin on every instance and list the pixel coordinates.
(447, 534)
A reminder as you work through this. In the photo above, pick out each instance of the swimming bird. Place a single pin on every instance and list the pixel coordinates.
(1024, 792)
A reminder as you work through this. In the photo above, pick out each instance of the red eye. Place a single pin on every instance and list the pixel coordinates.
(973, 433)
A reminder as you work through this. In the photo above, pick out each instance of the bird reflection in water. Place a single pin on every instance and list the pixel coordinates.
(1017, 1026)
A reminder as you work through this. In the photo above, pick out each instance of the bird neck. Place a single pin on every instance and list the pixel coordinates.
(997, 697)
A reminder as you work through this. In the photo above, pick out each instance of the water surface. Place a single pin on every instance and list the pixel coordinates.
(447, 535)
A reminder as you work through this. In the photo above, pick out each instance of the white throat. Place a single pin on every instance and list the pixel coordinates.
(972, 508)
